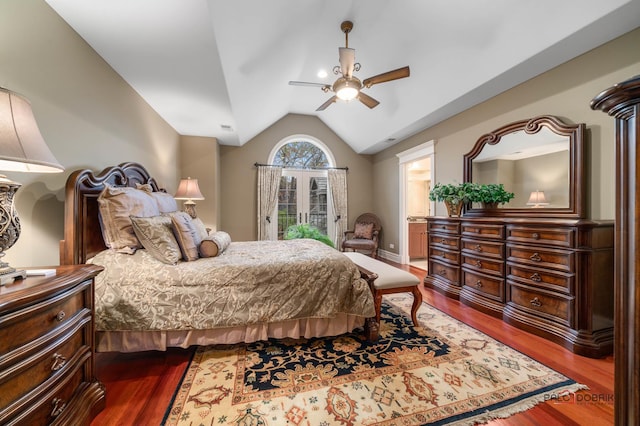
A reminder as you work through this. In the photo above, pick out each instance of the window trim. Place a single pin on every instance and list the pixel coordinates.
(302, 138)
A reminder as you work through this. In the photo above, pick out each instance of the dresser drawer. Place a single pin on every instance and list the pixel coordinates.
(483, 230)
(25, 325)
(546, 304)
(484, 265)
(562, 260)
(443, 227)
(483, 248)
(444, 255)
(444, 241)
(29, 373)
(560, 237)
(485, 285)
(444, 271)
(543, 278)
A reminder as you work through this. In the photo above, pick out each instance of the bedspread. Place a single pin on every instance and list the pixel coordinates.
(251, 282)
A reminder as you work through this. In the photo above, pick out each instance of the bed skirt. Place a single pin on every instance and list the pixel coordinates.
(137, 341)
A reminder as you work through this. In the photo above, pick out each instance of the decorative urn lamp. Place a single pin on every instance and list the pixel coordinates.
(22, 149)
(189, 190)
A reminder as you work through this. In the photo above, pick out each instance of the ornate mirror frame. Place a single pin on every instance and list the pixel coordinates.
(577, 177)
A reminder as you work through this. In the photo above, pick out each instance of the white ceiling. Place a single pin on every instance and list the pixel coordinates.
(206, 64)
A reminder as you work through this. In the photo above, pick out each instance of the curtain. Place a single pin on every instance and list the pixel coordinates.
(338, 194)
(268, 186)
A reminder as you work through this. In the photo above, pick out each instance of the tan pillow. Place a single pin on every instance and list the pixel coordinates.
(116, 205)
(156, 235)
(186, 235)
(166, 202)
(363, 231)
(215, 244)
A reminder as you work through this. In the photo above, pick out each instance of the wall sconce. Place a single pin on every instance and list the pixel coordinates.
(537, 199)
(189, 190)
(22, 149)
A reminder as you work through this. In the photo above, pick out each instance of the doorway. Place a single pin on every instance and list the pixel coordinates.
(416, 168)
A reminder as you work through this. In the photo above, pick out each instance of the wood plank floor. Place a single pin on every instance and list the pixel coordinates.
(140, 386)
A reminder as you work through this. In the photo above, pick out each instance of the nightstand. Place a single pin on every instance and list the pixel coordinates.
(47, 349)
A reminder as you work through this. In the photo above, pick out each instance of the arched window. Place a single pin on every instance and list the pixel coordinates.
(303, 196)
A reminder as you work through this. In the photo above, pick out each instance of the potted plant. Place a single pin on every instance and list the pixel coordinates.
(490, 195)
(305, 230)
(453, 195)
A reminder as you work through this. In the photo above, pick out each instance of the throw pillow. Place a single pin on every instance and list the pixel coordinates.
(156, 235)
(214, 244)
(363, 231)
(186, 235)
(116, 205)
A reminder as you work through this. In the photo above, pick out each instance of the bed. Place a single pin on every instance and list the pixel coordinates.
(251, 291)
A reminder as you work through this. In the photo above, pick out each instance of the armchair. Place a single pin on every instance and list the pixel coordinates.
(364, 236)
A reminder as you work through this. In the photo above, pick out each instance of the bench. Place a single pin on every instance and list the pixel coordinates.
(386, 279)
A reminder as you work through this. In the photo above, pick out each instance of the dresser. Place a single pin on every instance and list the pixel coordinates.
(47, 349)
(552, 277)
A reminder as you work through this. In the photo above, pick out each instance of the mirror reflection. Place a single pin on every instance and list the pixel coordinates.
(535, 167)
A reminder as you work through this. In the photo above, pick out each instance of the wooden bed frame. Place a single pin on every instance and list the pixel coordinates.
(82, 230)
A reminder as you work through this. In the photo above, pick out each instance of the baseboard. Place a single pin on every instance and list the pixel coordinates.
(393, 257)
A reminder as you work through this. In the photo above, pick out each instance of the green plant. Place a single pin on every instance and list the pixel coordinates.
(454, 193)
(489, 193)
(307, 231)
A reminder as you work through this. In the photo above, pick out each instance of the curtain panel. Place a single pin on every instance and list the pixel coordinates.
(268, 187)
(338, 194)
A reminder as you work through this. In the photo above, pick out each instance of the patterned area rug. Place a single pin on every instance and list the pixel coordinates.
(444, 372)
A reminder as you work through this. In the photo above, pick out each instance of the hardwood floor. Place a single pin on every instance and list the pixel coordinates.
(140, 386)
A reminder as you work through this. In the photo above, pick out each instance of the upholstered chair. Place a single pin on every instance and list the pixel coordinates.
(364, 236)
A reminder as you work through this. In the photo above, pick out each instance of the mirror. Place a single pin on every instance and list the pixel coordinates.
(540, 160)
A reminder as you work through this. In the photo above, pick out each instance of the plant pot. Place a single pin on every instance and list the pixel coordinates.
(489, 205)
(453, 209)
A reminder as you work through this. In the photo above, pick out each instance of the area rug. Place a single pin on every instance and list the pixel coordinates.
(443, 372)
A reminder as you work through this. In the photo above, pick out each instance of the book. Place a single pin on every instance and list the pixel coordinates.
(40, 272)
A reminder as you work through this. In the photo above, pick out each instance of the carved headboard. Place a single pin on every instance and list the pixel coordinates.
(82, 232)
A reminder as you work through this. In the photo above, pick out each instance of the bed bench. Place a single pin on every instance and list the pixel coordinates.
(386, 279)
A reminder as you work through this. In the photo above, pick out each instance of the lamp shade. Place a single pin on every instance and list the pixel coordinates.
(22, 148)
(537, 198)
(188, 189)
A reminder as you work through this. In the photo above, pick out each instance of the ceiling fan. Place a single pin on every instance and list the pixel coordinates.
(348, 87)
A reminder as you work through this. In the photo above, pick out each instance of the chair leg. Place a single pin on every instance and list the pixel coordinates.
(417, 301)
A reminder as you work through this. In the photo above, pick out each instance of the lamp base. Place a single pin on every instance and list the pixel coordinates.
(9, 274)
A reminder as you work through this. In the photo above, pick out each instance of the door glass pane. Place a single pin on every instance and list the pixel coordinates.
(318, 203)
(287, 204)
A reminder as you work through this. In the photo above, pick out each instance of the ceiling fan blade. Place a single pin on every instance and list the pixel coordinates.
(387, 76)
(367, 100)
(326, 104)
(306, 83)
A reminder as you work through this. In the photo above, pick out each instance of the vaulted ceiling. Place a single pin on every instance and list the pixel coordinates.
(221, 68)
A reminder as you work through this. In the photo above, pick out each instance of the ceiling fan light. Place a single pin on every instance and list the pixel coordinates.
(347, 88)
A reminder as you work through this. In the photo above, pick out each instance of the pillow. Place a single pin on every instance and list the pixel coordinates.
(363, 231)
(166, 202)
(156, 236)
(200, 228)
(116, 204)
(186, 235)
(215, 244)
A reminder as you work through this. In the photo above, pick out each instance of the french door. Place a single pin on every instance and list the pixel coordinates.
(303, 198)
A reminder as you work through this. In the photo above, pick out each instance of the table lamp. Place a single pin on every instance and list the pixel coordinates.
(22, 149)
(537, 199)
(188, 190)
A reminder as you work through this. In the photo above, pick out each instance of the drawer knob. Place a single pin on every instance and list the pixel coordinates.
(442, 272)
(478, 264)
(444, 227)
(535, 257)
(536, 302)
(478, 247)
(443, 241)
(535, 277)
(478, 283)
(58, 407)
(535, 236)
(60, 316)
(58, 362)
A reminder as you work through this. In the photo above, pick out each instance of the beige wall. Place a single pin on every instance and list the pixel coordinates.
(89, 116)
(239, 177)
(199, 159)
(564, 91)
